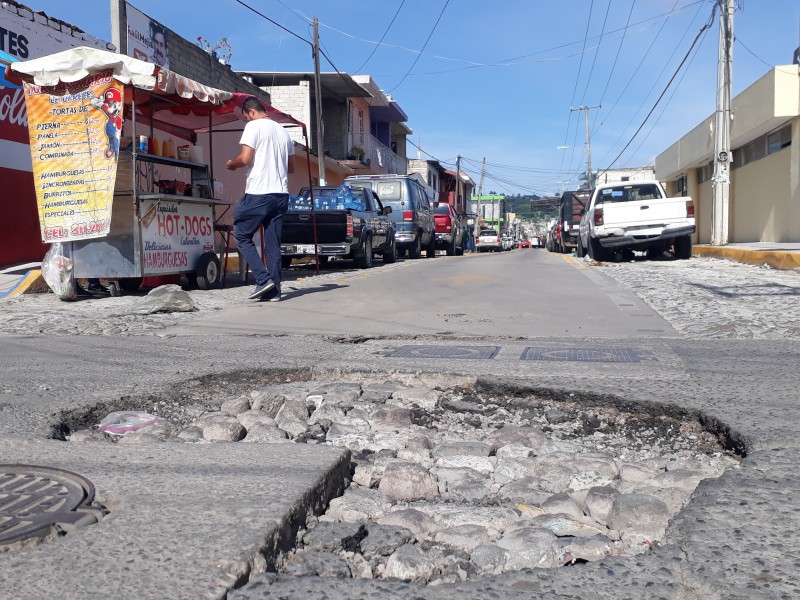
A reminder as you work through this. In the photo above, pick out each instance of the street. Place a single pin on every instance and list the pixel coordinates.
(706, 335)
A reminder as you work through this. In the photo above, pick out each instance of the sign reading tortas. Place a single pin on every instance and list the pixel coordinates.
(75, 131)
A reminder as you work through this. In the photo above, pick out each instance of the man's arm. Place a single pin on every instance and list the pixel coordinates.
(245, 158)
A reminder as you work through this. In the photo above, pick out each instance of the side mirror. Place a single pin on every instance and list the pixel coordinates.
(583, 212)
(387, 210)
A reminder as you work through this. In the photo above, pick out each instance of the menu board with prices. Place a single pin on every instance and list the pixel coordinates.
(75, 130)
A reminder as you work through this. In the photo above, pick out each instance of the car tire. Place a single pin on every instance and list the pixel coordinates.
(459, 250)
(430, 249)
(451, 249)
(596, 251)
(390, 254)
(415, 250)
(364, 258)
(682, 247)
(579, 250)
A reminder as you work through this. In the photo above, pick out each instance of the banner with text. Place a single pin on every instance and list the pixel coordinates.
(75, 131)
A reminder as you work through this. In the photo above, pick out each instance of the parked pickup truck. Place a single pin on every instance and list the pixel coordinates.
(636, 215)
(573, 205)
(351, 223)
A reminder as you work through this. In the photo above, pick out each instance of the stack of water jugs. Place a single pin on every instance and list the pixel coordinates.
(340, 199)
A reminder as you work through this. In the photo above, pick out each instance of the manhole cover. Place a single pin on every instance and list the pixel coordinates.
(618, 355)
(40, 502)
(472, 352)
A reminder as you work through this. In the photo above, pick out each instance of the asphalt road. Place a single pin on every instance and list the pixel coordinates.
(188, 523)
(525, 293)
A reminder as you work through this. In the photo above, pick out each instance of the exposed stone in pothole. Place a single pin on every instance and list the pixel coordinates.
(452, 484)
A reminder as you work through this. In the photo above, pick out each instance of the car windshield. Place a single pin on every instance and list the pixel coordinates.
(488, 232)
(630, 193)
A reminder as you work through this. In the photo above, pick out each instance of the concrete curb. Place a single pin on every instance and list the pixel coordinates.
(777, 259)
(30, 283)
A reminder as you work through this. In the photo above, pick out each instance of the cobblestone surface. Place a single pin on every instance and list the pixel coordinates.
(713, 298)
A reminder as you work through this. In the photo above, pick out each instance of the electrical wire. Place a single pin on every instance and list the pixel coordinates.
(371, 54)
(614, 65)
(669, 83)
(248, 7)
(736, 38)
(596, 54)
(430, 35)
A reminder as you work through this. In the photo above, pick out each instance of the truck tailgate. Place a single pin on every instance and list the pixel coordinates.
(331, 227)
(660, 211)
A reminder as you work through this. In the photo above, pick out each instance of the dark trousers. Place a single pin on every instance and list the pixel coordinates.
(253, 211)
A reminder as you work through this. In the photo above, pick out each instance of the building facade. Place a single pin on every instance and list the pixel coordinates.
(764, 203)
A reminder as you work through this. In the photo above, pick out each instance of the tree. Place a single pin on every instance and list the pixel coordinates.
(587, 185)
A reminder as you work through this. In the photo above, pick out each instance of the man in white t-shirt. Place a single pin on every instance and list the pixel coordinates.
(268, 153)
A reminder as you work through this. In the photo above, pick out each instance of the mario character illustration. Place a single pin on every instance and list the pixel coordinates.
(111, 105)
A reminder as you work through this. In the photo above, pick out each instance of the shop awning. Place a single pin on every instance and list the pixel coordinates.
(158, 93)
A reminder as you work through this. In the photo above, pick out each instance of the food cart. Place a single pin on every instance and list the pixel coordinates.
(93, 117)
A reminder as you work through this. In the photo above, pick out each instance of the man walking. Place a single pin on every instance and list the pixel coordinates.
(268, 153)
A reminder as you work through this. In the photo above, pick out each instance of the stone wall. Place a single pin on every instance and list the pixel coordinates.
(294, 100)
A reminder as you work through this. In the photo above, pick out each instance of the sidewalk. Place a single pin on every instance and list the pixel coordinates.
(784, 256)
(19, 279)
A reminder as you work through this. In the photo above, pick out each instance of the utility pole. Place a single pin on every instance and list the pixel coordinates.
(478, 201)
(722, 128)
(318, 102)
(586, 109)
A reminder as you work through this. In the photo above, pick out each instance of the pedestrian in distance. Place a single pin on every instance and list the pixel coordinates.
(268, 153)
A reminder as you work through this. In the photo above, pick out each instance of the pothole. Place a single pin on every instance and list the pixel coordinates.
(457, 483)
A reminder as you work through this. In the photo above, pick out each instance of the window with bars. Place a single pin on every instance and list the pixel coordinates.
(762, 146)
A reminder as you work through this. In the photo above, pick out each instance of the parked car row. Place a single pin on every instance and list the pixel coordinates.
(623, 217)
(388, 215)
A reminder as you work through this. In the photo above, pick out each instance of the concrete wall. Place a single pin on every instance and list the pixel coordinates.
(760, 200)
(294, 100)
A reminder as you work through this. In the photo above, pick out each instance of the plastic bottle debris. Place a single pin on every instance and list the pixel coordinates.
(122, 422)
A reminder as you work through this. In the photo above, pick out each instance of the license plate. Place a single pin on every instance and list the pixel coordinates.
(305, 249)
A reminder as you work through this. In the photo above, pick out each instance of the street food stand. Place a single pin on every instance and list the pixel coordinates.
(92, 115)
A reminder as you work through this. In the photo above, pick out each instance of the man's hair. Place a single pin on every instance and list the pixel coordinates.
(155, 29)
(253, 103)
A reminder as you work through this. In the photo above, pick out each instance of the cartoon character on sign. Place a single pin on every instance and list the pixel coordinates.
(111, 106)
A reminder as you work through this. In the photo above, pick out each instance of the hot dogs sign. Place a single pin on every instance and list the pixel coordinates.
(75, 131)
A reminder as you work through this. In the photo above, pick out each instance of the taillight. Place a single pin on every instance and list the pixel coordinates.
(408, 215)
(350, 225)
(477, 240)
(598, 216)
(448, 224)
(690, 208)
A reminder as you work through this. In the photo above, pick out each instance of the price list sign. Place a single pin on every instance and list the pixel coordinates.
(75, 131)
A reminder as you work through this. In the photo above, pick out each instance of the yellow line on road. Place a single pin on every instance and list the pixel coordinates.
(577, 264)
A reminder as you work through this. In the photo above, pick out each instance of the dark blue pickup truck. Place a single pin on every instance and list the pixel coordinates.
(350, 223)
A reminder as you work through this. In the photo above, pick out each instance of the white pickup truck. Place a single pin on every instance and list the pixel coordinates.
(635, 215)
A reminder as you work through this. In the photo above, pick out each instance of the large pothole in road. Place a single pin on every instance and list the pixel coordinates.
(457, 482)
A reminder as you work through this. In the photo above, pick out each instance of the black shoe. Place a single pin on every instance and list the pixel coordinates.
(273, 296)
(262, 289)
(95, 289)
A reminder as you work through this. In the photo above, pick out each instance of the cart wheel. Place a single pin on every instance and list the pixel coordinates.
(130, 284)
(208, 271)
(114, 288)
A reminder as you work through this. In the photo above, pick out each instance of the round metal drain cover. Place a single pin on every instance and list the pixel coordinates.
(38, 503)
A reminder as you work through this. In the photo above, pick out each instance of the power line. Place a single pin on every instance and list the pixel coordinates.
(651, 88)
(616, 58)
(430, 35)
(299, 37)
(669, 83)
(596, 54)
(382, 37)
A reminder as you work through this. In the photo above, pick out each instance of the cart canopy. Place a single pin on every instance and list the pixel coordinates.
(157, 93)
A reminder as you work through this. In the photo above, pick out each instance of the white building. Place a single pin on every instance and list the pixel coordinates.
(765, 172)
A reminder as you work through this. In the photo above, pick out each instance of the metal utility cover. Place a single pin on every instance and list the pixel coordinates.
(609, 355)
(36, 502)
(470, 352)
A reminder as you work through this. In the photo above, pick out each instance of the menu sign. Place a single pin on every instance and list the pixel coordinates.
(75, 131)
(175, 234)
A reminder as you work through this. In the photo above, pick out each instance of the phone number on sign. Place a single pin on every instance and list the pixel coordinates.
(76, 229)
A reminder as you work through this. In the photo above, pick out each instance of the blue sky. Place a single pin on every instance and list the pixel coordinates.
(496, 80)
